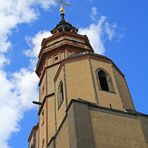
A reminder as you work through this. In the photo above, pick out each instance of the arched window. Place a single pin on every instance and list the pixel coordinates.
(60, 94)
(105, 81)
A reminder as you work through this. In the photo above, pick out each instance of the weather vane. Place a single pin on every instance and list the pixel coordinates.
(62, 4)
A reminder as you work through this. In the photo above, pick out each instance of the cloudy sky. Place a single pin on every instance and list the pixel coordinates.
(117, 29)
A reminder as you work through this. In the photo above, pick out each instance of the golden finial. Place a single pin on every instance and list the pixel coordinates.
(62, 5)
(62, 9)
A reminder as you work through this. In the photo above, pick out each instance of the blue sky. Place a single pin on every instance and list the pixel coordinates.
(117, 29)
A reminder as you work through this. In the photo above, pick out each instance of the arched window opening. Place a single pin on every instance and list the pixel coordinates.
(60, 94)
(105, 81)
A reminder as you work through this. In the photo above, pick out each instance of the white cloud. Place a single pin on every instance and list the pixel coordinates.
(9, 108)
(94, 33)
(93, 14)
(26, 83)
(35, 46)
(9, 123)
(110, 30)
(20, 88)
(14, 12)
(35, 43)
(3, 61)
(17, 93)
(99, 32)
(113, 32)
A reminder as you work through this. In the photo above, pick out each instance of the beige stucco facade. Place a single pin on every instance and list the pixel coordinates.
(33, 138)
(99, 128)
(76, 109)
(114, 131)
(81, 81)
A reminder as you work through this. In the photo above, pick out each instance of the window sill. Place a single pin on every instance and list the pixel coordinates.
(107, 91)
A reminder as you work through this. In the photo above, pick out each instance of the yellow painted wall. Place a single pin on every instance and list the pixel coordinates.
(51, 117)
(79, 81)
(124, 92)
(37, 134)
(106, 98)
(60, 112)
(62, 139)
(42, 89)
(36, 139)
(50, 61)
(50, 79)
(42, 127)
(115, 131)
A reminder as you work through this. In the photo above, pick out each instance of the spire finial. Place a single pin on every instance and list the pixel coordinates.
(62, 8)
(62, 11)
(63, 25)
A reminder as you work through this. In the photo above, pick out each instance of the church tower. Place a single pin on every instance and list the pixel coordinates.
(84, 100)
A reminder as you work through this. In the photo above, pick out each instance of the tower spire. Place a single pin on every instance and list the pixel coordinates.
(63, 25)
(62, 10)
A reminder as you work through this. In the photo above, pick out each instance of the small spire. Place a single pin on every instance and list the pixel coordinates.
(62, 9)
(63, 25)
(62, 12)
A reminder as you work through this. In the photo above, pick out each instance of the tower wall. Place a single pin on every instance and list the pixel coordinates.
(90, 126)
(106, 99)
(123, 90)
(113, 130)
(51, 117)
(79, 83)
(51, 72)
(84, 101)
